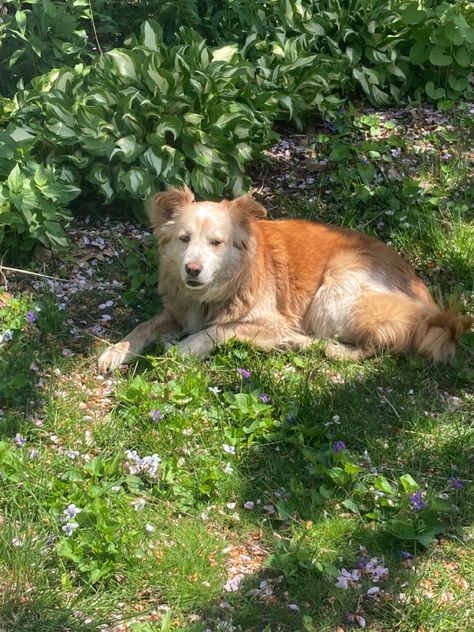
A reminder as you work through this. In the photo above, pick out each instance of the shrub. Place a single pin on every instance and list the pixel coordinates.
(174, 109)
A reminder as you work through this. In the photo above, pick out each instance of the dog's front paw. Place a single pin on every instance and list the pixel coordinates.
(197, 345)
(113, 357)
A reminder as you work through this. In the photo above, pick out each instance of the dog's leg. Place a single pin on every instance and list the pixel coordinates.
(264, 335)
(133, 344)
(341, 351)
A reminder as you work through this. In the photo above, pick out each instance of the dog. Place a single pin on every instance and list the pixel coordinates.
(226, 272)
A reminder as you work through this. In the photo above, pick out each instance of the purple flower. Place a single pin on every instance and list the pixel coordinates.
(263, 397)
(31, 317)
(455, 482)
(365, 161)
(330, 127)
(19, 440)
(6, 336)
(69, 527)
(446, 156)
(156, 415)
(416, 501)
(244, 373)
(71, 511)
(406, 555)
(338, 446)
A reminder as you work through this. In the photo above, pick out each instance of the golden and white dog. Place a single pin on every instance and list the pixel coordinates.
(226, 273)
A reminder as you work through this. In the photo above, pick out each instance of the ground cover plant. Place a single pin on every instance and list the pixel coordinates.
(247, 491)
(116, 99)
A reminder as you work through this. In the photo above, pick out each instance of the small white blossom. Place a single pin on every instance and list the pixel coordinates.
(138, 504)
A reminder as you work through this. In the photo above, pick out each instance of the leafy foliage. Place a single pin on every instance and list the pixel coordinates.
(194, 96)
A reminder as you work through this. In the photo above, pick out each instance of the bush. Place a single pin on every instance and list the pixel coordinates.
(177, 108)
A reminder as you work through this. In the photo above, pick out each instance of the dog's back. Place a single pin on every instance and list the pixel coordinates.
(340, 283)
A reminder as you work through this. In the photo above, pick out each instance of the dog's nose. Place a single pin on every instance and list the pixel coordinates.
(193, 269)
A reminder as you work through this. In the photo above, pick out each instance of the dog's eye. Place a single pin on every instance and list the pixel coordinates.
(216, 242)
(185, 239)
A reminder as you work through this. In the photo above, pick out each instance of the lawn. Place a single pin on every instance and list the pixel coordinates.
(247, 491)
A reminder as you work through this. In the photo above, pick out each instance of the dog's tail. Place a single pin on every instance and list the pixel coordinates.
(397, 322)
(436, 335)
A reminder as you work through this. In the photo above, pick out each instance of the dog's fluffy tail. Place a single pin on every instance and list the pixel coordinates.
(397, 322)
(436, 336)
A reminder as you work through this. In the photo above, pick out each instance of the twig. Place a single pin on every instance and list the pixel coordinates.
(95, 30)
(38, 274)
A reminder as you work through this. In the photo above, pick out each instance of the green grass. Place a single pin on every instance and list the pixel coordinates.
(156, 549)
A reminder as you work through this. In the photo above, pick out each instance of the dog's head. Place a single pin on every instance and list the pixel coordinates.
(203, 242)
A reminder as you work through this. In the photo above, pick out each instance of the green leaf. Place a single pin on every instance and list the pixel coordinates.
(151, 35)
(205, 184)
(124, 63)
(434, 93)
(225, 53)
(15, 179)
(459, 84)
(409, 483)
(412, 15)
(361, 78)
(438, 57)
(127, 148)
(382, 484)
(20, 18)
(136, 182)
(56, 235)
(100, 176)
(419, 53)
(462, 57)
(206, 156)
(350, 504)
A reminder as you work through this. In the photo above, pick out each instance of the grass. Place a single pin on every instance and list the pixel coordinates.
(247, 493)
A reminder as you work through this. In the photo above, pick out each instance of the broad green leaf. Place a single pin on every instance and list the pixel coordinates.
(136, 182)
(350, 504)
(357, 74)
(21, 134)
(409, 483)
(314, 28)
(225, 53)
(123, 62)
(20, 18)
(61, 131)
(382, 484)
(458, 84)
(100, 176)
(412, 15)
(206, 156)
(419, 53)
(462, 56)
(434, 93)
(15, 179)
(151, 35)
(153, 161)
(127, 148)
(205, 184)
(55, 234)
(438, 57)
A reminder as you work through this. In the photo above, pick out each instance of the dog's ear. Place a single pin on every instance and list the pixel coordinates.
(247, 209)
(164, 205)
